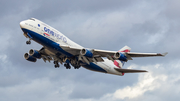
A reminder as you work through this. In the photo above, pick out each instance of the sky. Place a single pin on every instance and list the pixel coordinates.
(143, 25)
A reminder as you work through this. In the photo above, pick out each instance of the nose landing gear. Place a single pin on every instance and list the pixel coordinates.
(28, 42)
(27, 35)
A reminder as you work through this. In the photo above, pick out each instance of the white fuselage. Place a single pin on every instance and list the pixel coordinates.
(47, 36)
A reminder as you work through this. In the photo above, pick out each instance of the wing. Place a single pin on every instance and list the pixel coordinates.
(98, 54)
(47, 55)
(129, 70)
(76, 51)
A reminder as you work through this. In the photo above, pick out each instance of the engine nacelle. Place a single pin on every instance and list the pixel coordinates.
(120, 56)
(34, 53)
(87, 53)
(29, 57)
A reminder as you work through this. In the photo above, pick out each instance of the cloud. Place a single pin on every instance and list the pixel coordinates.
(145, 26)
(3, 58)
(152, 85)
(146, 83)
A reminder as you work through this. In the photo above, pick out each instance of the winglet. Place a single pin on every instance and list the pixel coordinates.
(164, 54)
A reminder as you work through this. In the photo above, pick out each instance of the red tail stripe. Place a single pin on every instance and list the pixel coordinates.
(125, 50)
(116, 63)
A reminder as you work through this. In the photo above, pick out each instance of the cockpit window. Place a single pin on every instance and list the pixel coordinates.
(32, 19)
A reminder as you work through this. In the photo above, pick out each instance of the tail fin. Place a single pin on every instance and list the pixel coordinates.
(125, 49)
(119, 63)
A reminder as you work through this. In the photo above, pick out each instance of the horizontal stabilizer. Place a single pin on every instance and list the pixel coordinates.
(133, 54)
(129, 70)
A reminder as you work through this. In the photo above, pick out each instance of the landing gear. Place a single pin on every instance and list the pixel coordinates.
(76, 67)
(28, 42)
(56, 65)
(67, 66)
(75, 64)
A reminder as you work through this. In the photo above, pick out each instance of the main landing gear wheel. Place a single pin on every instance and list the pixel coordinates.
(56, 65)
(76, 67)
(67, 66)
(28, 42)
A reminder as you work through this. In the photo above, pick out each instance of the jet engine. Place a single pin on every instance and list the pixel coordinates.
(86, 53)
(120, 56)
(34, 53)
(29, 57)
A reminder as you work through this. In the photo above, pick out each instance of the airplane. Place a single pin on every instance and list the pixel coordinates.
(60, 49)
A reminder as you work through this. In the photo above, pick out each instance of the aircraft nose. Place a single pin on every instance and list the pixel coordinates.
(22, 24)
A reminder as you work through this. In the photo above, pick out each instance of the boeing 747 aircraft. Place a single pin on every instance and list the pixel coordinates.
(59, 49)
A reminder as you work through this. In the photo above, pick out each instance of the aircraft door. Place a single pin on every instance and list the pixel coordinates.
(41, 31)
